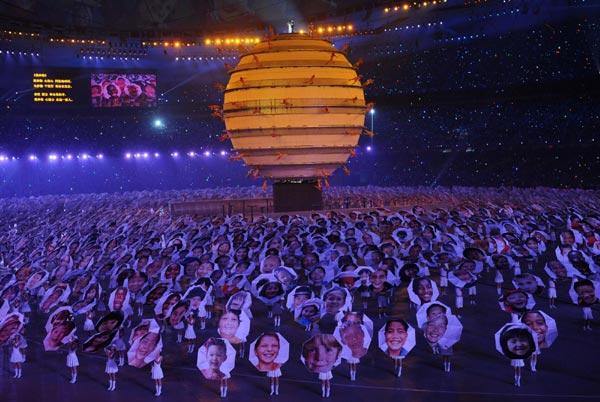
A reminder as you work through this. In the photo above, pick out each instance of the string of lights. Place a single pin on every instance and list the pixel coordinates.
(97, 45)
(91, 156)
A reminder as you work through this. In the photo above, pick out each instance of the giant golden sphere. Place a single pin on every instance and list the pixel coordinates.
(294, 107)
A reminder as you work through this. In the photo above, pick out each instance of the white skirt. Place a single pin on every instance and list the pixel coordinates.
(111, 367)
(16, 356)
(119, 344)
(189, 332)
(157, 372)
(202, 312)
(25, 308)
(517, 362)
(459, 302)
(325, 376)
(88, 325)
(274, 373)
(72, 360)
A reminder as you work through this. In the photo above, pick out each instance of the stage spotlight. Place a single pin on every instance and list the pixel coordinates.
(206, 153)
(158, 123)
(52, 157)
(128, 155)
(175, 154)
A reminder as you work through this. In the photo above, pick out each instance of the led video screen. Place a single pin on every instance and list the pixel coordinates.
(110, 90)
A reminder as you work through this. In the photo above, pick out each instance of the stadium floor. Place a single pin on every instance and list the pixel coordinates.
(566, 371)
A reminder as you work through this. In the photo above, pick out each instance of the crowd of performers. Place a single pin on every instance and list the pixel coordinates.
(113, 280)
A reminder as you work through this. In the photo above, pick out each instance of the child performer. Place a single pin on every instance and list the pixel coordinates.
(157, 374)
(17, 357)
(517, 342)
(111, 367)
(120, 346)
(72, 360)
(190, 334)
(88, 324)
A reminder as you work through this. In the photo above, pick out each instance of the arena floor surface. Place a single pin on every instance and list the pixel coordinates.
(566, 371)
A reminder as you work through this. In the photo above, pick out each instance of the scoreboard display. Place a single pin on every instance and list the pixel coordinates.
(52, 88)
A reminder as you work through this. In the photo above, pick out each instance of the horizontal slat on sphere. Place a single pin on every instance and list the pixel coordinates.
(292, 42)
(300, 106)
(290, 160)
(286, 104)
(292, 59)
(303, 151)
(291, 82)
(315, 92)
(283, 143)
(297, 171)
(263, 120)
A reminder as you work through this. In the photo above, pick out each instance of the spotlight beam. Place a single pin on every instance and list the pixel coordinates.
(183, 82)
(451, 158)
